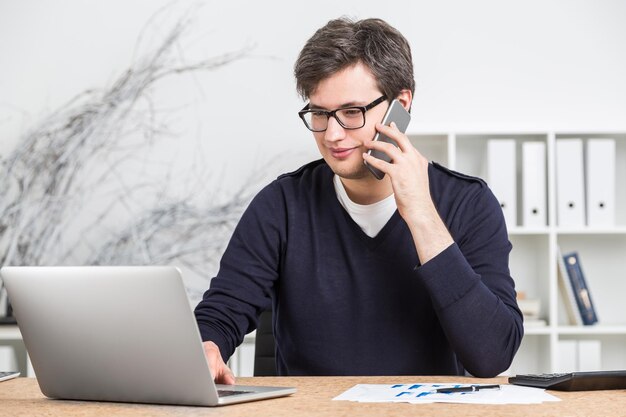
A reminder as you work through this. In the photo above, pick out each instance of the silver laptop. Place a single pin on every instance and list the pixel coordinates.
(123, 334)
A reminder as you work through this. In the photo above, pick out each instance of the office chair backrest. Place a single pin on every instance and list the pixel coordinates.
(264, 356)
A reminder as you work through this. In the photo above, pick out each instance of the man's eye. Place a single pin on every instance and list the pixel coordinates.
(351, 113)
(318, 114)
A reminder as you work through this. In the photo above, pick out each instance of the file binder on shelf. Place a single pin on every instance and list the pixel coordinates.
(569, 183)
(578, 355)
(589, 355)
(567, 357)
(534, 184)
(501, 176)
(600, 172)
(580, 288)
(567, 292)
(4, 301)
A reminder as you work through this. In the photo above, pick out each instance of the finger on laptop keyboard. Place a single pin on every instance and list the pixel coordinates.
(221, 373)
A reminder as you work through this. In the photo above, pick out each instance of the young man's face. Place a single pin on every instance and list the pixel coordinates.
(342, 149)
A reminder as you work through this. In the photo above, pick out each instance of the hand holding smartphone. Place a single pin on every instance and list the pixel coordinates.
(395, 113)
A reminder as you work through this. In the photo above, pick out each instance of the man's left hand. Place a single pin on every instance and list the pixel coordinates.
(408, 171)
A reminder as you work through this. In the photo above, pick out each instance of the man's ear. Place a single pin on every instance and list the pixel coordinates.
(405, 97)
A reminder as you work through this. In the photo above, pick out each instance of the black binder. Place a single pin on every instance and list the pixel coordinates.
(580, 288)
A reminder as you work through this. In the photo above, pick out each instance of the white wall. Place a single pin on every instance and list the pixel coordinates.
(531, 63)
(483, 63)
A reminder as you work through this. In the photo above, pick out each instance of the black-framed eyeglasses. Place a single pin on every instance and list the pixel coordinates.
(352, 117)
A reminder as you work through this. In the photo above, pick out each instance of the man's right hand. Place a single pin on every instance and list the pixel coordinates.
(221, 373)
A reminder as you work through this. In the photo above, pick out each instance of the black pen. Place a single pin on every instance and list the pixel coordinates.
(466, 388)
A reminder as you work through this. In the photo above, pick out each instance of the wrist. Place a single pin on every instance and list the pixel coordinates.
(212, 346)
(424, 220)
(430, 235)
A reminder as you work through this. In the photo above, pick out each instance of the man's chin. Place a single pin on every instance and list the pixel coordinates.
(356, 173)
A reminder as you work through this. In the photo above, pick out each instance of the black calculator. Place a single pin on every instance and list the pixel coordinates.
(573, 381)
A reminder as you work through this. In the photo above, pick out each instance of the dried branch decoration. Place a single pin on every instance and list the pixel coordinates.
(53, 171)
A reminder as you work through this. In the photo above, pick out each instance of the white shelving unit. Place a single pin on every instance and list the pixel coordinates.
(533, 259)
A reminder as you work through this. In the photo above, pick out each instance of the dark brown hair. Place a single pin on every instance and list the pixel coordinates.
(343, 42)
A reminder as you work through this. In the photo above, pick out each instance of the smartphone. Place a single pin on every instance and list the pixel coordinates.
(395, 113)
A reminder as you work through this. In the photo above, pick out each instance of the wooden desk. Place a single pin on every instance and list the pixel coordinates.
(21, 397)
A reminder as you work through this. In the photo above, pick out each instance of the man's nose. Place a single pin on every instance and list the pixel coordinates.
(334, 131)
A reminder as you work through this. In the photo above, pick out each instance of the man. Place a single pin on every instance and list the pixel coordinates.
(404, 275)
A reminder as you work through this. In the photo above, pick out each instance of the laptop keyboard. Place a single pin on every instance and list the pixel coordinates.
(227, 393)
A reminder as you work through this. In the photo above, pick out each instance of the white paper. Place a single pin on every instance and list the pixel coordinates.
(423, 393)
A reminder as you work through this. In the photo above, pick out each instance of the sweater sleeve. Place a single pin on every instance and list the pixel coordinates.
(248, 271)
(472, 290)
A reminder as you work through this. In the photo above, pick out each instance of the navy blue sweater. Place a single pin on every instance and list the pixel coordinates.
(348, 304)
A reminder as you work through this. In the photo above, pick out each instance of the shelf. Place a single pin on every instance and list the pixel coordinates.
(537, 330)
(523, 231)
(598, 330)
(614, 230)
(10, 332)
(533, 261)
(586, 231)
(595, 330)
